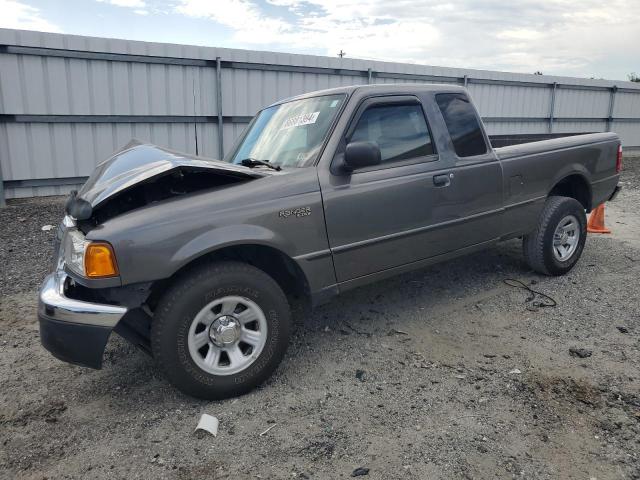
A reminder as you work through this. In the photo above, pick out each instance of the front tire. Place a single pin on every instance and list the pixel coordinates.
(556, 244)
(221, 330)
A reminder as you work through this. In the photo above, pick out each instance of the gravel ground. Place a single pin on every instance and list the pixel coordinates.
(25, 249)
(442, 373)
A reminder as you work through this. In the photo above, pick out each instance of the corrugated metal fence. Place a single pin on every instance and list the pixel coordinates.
(67, 102)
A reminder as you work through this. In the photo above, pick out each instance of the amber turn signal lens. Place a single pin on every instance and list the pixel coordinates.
(100, 261)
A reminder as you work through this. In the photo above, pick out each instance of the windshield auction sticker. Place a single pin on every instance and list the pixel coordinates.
(298, 120)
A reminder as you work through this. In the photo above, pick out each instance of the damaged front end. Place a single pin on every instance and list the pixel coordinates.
(80, 304)
(141, 174)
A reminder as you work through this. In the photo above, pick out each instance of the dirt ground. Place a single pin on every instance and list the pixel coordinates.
(443, 373)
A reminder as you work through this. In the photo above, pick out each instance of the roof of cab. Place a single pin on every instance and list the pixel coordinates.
(378, 89)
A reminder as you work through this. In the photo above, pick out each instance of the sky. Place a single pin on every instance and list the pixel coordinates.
(579, 38)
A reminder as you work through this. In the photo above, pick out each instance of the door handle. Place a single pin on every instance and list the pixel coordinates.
(443, 180)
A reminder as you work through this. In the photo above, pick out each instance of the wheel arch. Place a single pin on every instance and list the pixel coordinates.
(574, 185)
(273, 261)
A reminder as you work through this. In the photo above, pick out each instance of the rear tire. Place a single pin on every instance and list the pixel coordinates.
(556, 244)
(221, 330)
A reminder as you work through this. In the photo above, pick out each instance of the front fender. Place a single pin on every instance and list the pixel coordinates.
(228, 236)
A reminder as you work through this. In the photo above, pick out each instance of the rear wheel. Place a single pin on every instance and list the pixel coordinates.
(556, 244)
(221, 330)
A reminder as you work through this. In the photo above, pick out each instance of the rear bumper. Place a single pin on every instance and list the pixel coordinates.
(74, 330)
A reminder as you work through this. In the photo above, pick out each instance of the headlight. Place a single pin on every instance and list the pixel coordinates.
(89, 259)
(74, 247)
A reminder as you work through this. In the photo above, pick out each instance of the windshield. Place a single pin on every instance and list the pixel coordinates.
(289, 134)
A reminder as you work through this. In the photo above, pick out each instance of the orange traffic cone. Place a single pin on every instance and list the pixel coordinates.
(596, 221)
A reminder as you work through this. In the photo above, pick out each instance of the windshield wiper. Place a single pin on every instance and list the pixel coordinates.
(254, 162)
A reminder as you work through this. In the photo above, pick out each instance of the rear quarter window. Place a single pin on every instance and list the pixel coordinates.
(463, 124)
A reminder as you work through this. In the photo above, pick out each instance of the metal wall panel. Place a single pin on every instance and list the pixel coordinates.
(572, 127)
(582, 103)
(231, 132)
(172, 91)
(506, 128)
(78, 147)
(511, 101)
(62, 86)
(627, 105)
(629, 132)
(247, 91)
(25, 192)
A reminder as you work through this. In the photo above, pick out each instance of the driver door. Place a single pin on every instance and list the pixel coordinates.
(376, 216)
(417, 203)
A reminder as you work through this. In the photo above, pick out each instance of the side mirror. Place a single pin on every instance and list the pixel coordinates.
(360, 155)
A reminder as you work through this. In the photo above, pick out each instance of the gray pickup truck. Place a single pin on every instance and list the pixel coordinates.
(201, 262)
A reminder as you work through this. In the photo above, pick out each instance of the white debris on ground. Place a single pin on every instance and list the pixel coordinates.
(208, 423)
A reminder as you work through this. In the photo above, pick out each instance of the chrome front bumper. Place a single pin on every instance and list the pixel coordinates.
(55, 305)
(74, 330)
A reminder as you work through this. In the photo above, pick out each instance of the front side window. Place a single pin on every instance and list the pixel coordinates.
(290, 134)
(462, 123)
(399, 130)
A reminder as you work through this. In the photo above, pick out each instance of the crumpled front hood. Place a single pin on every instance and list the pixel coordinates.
(138, 162)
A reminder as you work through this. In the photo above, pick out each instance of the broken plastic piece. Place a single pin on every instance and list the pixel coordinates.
(209, 424)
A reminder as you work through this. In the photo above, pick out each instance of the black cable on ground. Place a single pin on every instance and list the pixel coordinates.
(512, 282)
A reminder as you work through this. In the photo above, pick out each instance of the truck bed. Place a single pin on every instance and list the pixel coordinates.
(551, 145)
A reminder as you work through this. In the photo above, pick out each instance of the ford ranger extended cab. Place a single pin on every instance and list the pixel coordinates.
(200, 262)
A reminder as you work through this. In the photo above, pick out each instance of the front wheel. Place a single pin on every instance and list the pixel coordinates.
(556, 244)
(221, 330)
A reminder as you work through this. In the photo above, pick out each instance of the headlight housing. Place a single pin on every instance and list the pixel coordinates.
(89, 259)
(74, 247)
